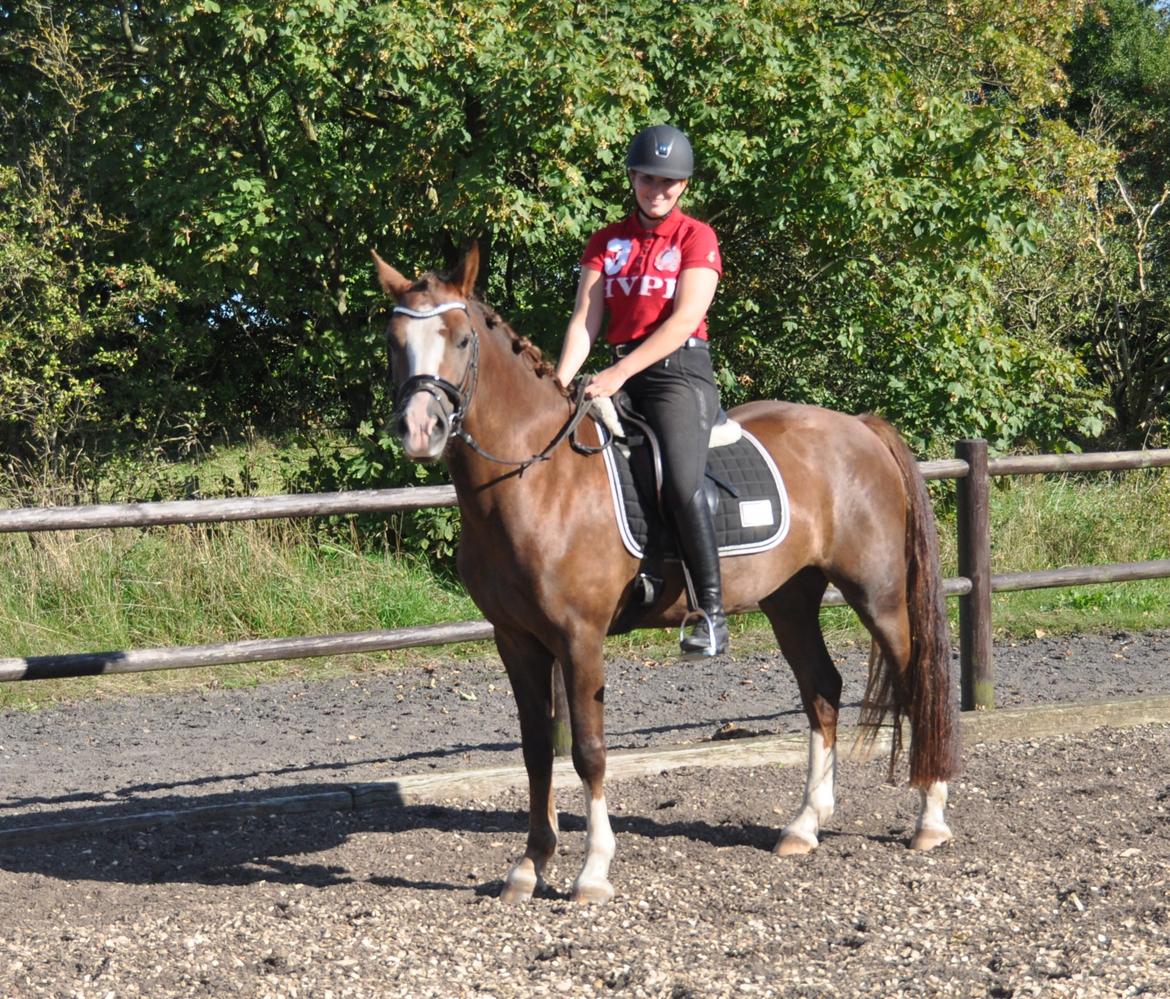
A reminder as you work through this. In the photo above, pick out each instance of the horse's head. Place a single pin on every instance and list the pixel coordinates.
(433, 353)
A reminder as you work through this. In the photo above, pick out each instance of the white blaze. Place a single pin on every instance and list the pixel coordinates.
(425, 345)
(424, 348)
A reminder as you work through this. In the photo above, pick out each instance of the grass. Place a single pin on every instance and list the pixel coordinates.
(1057, 521)
(105, 590)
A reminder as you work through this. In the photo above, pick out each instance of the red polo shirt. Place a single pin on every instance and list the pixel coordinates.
(640, 268)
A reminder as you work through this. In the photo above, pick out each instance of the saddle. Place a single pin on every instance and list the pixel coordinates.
(743, 486)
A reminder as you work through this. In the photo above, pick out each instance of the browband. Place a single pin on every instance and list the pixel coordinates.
(434, 310)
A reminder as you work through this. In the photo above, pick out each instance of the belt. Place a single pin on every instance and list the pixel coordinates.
(691, 343)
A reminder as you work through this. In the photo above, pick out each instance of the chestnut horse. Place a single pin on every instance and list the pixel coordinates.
(541, 556)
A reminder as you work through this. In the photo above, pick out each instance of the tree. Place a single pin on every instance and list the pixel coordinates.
(868, 206)
(1120, 98)
(868, 169)
(73, 318)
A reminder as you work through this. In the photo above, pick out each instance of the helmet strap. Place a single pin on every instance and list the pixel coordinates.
(649, 221)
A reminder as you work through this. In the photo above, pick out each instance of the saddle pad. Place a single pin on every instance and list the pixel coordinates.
(753, 520)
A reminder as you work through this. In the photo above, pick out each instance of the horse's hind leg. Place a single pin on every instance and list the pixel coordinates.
(888, 621)
(529, 666)
(794, 611)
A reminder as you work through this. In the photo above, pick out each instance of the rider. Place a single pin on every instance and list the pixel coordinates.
(655, 273)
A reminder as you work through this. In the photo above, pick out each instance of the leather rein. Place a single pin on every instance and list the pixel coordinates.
(460, 396)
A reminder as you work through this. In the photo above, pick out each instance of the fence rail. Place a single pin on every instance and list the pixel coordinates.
(974, 584)
(83, 518)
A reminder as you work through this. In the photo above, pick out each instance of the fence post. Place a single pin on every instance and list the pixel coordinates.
(562, 732)
(976, 663)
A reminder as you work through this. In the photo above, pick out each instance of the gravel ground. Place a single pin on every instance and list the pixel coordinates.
(1056, 885)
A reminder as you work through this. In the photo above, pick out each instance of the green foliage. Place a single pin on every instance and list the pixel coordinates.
(1119, 71)
(71, 329)
(867, 282)
(374, 460)
(1113, 227)
(870, 169)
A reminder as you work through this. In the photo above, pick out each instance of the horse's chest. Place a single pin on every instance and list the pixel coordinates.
(498, 564)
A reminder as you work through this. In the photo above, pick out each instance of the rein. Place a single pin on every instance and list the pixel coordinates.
(460, 398)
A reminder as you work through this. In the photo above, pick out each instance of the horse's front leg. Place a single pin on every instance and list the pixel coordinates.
(584, 670)
(802, 834)
(529, 667)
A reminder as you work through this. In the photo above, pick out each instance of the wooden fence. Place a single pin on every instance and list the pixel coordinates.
(974, 585)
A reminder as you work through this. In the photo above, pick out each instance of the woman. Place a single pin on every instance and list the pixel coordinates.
(654, 274)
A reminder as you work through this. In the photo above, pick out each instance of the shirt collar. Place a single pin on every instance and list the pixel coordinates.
(665, 229)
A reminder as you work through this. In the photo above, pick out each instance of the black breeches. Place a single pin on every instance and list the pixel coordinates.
(678, 398)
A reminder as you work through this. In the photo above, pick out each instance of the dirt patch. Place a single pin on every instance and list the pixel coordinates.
(101, 757)
(1056, 884)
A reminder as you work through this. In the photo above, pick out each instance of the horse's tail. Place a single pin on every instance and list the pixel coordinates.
(923, 691)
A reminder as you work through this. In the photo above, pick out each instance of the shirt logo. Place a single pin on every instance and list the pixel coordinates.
(642, 287)
(668, 260)
(617, 252)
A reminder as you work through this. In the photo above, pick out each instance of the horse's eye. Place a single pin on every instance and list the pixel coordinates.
(464, 341)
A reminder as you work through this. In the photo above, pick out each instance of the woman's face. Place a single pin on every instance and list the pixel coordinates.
(656, 196)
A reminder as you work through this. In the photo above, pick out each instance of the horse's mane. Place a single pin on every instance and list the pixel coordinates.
(493, 320)
(521, 345)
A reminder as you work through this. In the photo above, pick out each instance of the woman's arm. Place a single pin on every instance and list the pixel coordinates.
(584, 325)
(692, 298)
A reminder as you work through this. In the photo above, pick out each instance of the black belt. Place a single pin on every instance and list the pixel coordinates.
(692, 343)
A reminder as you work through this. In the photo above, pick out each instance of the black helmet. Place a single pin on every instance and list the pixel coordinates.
(663, 151)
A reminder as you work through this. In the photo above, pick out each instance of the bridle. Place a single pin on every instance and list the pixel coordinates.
(460, 396)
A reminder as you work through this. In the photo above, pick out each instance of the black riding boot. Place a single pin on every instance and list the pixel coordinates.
(700, 550)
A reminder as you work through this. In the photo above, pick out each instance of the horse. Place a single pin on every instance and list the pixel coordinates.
(540, 555)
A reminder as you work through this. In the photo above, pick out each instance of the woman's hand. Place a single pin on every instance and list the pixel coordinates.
(605, 383)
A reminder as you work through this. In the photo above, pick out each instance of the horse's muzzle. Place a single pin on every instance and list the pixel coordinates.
(424, 426)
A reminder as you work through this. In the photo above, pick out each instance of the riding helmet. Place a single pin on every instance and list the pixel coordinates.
(662, 151)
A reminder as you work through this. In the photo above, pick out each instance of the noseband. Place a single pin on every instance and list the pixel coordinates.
(460, 395)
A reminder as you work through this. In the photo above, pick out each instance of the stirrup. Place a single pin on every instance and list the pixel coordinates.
(712, 648)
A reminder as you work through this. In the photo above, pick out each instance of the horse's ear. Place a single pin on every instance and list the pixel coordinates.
(463, 277)
(391, 281)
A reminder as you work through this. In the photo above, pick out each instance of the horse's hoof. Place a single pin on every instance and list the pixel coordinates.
(515, 894)
(519, 886)
(928, 839)
(592, 891)
(793, 844)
